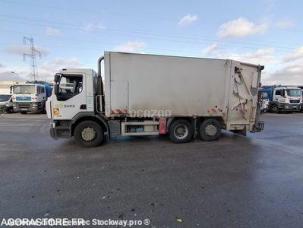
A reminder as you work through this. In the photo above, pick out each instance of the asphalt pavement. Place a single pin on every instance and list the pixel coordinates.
(253, 181)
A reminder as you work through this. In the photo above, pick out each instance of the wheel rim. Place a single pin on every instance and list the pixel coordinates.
(181, 131)
(211, 130)
(88, 134)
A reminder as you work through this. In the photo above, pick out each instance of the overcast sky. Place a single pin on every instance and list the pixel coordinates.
(76, 33)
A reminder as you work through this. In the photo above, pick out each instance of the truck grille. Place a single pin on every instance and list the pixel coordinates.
(23, 98)
(24, 105)
(294, 101)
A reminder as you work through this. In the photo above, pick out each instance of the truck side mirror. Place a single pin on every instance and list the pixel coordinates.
(57, 78)
(56, 88)
(283, 93)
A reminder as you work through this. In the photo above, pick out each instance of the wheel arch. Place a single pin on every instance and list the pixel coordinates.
(92, 117)
(218, 118)
(172, 119)
(196, 121)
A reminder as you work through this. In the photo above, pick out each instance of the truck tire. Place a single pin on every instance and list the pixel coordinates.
(210, 130)
(89, 134)
(181, 131)
(274, 108)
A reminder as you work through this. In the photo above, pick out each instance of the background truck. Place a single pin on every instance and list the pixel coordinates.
(301, 87)
(6, 104)
(31, 96)
(283, 98)
(264, 100)
(153, 95)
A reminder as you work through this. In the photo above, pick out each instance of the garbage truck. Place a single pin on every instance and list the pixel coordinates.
(30, 96)
(283, 98)
(143, 95)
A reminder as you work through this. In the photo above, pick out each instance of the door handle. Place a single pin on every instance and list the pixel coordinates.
(83, 106)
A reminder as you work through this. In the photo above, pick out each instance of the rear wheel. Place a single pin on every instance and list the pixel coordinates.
(89, 134)
(181, 131)
(210, 129)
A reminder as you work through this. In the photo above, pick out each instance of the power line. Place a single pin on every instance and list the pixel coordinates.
(174, 38)
(33, 54)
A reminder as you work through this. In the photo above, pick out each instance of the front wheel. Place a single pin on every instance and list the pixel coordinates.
(274, 108)
(89, 134)
(181, 131)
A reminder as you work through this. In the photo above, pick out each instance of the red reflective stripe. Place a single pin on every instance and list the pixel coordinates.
(162, 126)
(114, 112)
(119, 111)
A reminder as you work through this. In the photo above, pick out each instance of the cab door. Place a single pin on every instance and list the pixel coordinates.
(70, 97)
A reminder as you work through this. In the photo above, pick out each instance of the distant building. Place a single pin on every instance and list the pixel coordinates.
(5, 86)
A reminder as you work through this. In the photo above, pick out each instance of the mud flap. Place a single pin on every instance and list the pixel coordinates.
(259, 126)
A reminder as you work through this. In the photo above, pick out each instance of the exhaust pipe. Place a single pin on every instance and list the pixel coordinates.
(99, 89)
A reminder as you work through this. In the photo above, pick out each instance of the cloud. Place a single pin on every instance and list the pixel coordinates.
(11, 76)
(131, 46)
(261, 56)
(46, 70)
(21, 49)
(210, 49)
(287, 75)
(50, 31)
(280, 68)
(49, 68)
(289, 70)
(285, 24)
(241, 27)
(1, 65)
(93, 27)
(187, 20)
(294, 56)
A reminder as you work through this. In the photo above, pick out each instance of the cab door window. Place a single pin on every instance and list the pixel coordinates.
(69, 86)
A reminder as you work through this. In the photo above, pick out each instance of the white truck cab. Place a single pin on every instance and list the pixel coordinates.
(29, 97)
(74, 93)
(287, 98)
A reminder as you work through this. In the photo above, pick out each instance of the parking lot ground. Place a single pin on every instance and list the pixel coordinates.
(253, 181)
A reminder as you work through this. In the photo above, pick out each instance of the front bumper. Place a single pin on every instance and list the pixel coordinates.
(290, 107)
(5, 108)
(60, 129)
(28, 107)
(52, 132)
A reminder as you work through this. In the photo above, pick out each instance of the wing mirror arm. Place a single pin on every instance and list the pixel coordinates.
(57, 81)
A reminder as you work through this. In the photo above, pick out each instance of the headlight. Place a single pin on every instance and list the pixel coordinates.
(282, 100)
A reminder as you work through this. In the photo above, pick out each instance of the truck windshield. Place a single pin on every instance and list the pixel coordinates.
(4, 97)
(24, 89)
(293, 92)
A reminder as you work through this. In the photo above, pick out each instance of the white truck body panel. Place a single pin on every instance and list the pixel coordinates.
(184, 86)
